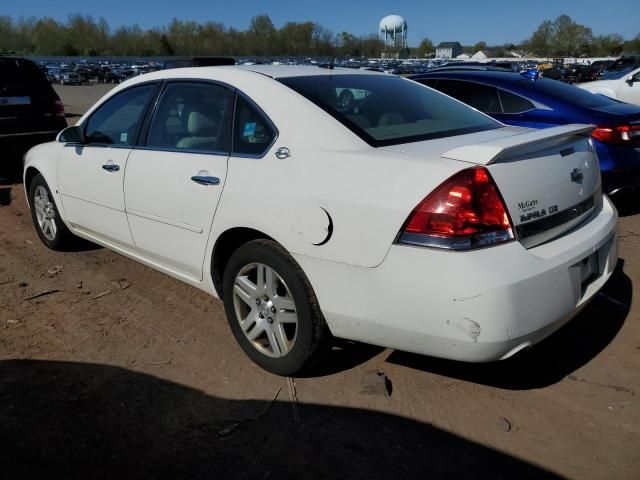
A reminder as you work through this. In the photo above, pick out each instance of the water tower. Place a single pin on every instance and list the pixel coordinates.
(393, 32)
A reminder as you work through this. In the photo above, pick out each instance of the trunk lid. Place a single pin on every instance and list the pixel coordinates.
(549, 179)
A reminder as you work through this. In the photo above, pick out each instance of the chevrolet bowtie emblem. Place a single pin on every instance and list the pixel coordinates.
(577, 175)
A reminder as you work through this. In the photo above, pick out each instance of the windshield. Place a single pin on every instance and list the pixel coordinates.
(388, 110)
(616, 74)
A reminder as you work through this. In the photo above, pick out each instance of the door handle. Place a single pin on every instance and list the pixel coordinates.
(205, 180)
(111, 167)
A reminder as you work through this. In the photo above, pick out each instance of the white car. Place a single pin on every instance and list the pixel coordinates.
(625, 88)
(409, 220)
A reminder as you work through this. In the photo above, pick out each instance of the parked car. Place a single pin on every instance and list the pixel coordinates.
(409, 220)
(624, 87)
(621, 66)
(515, 99)
(30, 110)
(576, 73)
(598, 67)
(70, 78)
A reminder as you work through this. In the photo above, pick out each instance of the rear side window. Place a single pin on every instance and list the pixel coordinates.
(512, 103)
(116, 121)
(253, 134)
(192, 117)
(482, 97)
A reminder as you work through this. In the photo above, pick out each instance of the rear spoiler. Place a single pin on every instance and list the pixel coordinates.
(488, 152)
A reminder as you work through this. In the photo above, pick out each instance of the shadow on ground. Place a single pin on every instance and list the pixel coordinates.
(553, 359)
(75, 420)
(627, 204)
(5, 196)
(10, 168)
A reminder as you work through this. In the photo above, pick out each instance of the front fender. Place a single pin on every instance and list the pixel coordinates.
(44, 159)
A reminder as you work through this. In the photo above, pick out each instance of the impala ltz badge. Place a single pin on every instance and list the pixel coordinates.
(577, 175)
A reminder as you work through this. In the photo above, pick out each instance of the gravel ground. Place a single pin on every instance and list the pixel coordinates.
(117, 371)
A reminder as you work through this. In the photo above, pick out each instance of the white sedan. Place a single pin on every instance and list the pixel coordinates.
(405, 219)
(625, 87)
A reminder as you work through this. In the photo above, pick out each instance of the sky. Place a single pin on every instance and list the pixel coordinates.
(467, 21)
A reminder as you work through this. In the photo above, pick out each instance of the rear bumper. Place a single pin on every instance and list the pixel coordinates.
(474, 306)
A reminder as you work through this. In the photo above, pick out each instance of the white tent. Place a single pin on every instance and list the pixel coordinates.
(479, 54)
(463, 56)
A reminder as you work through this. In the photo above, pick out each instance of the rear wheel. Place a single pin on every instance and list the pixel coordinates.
(50, 227)
(272, 309)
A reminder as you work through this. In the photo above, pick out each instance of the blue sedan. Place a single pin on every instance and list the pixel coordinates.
(528, 101)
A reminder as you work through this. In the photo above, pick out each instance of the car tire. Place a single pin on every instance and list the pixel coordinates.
(277, 320)
(44, 212)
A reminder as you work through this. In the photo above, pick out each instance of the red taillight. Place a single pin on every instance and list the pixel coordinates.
(466, 211)
(59, 108)
(622, 134)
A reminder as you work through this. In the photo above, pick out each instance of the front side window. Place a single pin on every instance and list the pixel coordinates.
(192, 117)
(252, 132)
(116, 122)
(389, 110)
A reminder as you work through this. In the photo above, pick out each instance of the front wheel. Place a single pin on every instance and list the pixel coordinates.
(49, 226)
(272, 309)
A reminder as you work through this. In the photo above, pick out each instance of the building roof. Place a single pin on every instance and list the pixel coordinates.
(449, 45)
(479, 54)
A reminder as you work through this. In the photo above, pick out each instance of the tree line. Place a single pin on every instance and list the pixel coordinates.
(566, 38)
(83, 35)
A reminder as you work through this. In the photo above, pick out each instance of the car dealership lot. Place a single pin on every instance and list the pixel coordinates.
(137, 341)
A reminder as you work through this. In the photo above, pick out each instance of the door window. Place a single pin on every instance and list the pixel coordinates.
(481, 97)
(192, 117)
(116, 122)
(252, 132)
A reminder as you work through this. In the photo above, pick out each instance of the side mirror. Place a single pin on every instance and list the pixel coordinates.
(72, 135)
(630, 81)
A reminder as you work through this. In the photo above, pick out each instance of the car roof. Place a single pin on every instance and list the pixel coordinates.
(231, 72)
(534, 90)
(282, 71)
(513, 81)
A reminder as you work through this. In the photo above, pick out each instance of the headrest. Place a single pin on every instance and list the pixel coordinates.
(200, 125)
(391, 118)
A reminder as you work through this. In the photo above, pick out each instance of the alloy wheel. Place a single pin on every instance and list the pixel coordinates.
(265, 309)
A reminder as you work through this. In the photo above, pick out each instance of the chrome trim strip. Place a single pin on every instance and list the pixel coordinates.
(530, 229)
(95, 202)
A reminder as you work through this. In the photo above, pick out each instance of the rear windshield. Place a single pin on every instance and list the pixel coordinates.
(19, 71)
(388, 110)
(570, 93)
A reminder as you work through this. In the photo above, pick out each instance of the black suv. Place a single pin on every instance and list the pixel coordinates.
(30, 110)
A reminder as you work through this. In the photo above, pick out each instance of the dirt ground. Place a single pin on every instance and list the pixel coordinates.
(117, 371)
